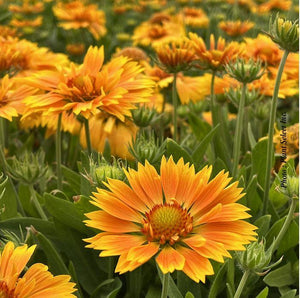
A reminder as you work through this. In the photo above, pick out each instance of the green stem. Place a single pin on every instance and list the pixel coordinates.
(111, 267)
(242, 284)
(37, 203)
(212, 100)
(165, 285)
(271, 131)
(87, 136)
(174, 99)
(286, 224)
(238, 133)
(2, 133)
(58, 153)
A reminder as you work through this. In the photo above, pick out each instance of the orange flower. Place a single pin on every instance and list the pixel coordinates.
(236, 28)
(37, 281)
(176, 56)
(27, 7)
(22, 56)
(11, 98)
(118, 134)
(76, 15)
(194, 17)
(262, 47)
(179, 216)
(218, 55)
(6, 31)
(274, 4)
(26, 22)
(85, 89)
(76, 49)
(160, 29)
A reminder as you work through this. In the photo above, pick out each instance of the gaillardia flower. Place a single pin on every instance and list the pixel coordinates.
(219, 53)
(179, 216)
(236, 28)
(37, 281)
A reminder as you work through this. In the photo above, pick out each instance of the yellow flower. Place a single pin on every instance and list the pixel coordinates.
(274, 4)
(75, 15)
(118, 134)
(179, 216)
(26, 22)
(194, 17)
(37, 281)
(161, 28)
(219, 53)
(175, 56)
(27, 7)
(235, 28)
(85, 89)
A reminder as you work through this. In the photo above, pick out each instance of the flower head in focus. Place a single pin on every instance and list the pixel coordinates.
(37, 281)
(217, 55)
(179, 216)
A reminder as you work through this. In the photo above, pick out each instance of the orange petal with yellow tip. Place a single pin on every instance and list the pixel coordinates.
(169, 260)
(195, 267)
(106, 222)
(143, 253)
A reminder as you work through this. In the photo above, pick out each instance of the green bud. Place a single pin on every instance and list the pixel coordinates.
(100, 170)
(255, 257)
(146, 147)
(262, 110)
(245, 71)
(285, 33)
(251, 96)
(143, 116)
(28, 169)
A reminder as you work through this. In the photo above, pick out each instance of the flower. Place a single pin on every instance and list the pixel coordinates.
(175, 56)
(27, 7)
(285, 33)
(157, 31)
(75, 15)
(85, 89)
(118, 134)
(218, 55)
(179, 216)
(235, 28)
(76, 49)
(195, 17)
(273, 4)
(22, 23)
(37, 281)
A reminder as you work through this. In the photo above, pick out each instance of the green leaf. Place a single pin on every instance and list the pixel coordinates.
(219, 165)
(264, 293)
(55, 262)
(199, 127)
(199, 152)
(72, 178)
(280, 277)
(25, 198)
(251, 137)
(86, 261)
(253, 199)
(185, 284)
(259, 161)
(173, 291)
(66, 212)
(263, 224)
(290, 238)
(8, 201)
(189, 295)
(172, 148)
(290, 294)
(74, 277)
(108, 289)
(218, 283)
(14, 225)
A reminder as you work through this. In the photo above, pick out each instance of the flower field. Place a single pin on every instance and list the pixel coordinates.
(149, 148)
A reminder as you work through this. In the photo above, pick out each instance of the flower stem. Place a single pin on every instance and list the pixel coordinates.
(242, 284)
(286, 224)
(165, 285)
(174, 99)
(271, 131)
(37, 203)
(212, 100)
(58, 153)
(238, 133)
(87, 136)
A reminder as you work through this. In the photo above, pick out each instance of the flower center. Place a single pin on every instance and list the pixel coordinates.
(4, 291)
(167, 223)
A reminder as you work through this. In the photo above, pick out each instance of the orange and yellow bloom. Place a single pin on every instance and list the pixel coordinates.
(179, 216)
(36, 282)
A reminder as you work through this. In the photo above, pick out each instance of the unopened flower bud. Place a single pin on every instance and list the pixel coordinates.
(142, 116)
(285, 33)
